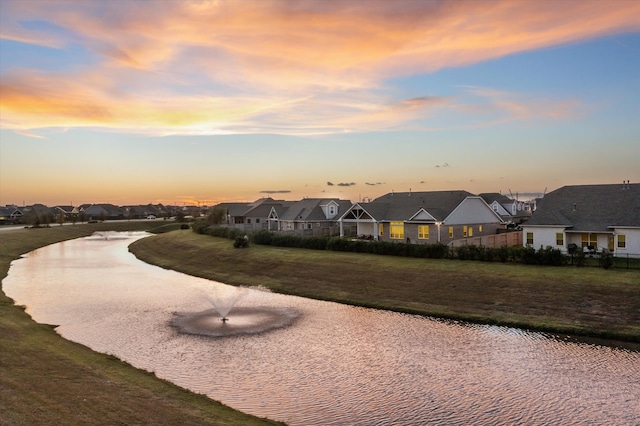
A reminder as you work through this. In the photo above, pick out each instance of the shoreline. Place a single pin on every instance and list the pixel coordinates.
(301, 272)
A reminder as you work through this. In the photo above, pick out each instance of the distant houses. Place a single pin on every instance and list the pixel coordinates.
(591, 218)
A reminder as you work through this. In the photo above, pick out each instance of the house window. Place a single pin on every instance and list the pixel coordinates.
(248, 220)
(480, 229)
(332, 210)
(471, 231)
(423, 232)
(529, 238)
(589, 240)
(495, 208)
(559, 239)
(451, 232)
(611, 243)
(464, 231)
(309, 225)
(397, 230)
(380, 229)
(258, 220)
(622, 241)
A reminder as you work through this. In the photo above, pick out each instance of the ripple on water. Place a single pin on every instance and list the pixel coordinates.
(333, 364)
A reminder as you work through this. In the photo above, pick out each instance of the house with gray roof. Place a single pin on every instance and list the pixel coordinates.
(250, 216)
(421, 217)
(101, 211)
(595, 218)
(10, 214)
(309, 216)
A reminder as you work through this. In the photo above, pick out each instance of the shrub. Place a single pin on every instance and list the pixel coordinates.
(606, 260)
(262, 237)
(199, 227)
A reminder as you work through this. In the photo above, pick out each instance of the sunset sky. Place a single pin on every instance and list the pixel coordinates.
(179, 102)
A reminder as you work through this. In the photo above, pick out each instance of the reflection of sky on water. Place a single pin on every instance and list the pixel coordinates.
(336, 365)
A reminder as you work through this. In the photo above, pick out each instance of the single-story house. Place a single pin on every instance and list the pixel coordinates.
(309, 216)
(593, 218)
(10, 214)
(421, 217)
(101, 211)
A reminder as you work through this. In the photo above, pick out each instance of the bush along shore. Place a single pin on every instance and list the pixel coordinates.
(547, 256)
(570, 301)
(45, 379)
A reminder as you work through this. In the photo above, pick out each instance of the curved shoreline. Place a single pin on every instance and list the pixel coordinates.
(301, 273)
(47, 379)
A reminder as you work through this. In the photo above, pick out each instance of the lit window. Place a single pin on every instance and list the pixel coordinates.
(397, 230)
(559, 239)
(464, 231)
(451, 232)
(529, 238)
(380, 229)
(589, 240)
(611, 243)
(423, 232)
(622, 241)
(480, 228)
(471, 231)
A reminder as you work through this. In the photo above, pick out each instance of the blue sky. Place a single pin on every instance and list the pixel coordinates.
(203, 102)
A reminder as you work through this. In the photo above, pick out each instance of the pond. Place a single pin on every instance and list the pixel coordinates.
(330, 364)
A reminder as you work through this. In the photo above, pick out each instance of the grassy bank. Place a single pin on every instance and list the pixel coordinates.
(566, 300)
(45, 379)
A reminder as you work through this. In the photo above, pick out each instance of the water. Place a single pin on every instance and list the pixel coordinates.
(334, 364)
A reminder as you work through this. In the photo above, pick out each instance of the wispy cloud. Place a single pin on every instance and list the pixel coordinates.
(276, 191)
(296, 68)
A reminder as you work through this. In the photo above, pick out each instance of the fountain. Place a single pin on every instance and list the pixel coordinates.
(225, 319)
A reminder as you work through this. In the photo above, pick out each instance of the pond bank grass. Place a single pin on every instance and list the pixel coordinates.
(45, 379)
(563, 300)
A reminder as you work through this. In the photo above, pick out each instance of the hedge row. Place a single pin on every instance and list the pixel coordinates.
(527, 255)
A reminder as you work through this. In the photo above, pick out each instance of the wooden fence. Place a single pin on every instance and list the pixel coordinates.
(491, 241)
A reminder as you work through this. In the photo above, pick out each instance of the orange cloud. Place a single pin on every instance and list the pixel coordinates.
(302, 67)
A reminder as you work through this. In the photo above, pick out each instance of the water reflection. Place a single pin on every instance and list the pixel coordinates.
(335, 364)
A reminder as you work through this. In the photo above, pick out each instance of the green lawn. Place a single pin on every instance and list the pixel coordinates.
(579, 301)
(45, 379)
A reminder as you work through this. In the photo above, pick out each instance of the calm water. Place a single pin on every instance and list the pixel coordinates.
(336, 364)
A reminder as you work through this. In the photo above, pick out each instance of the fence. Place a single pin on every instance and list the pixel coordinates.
(492, 241)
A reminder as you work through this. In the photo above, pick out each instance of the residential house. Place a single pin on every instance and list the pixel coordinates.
(309, 216)
(249, 216)
(101, 212)
(10, 214)
(421, 217)
(511, 211)
(69, 212)
(594, 218)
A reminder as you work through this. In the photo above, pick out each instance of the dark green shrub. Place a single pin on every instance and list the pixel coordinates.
(503, 254)
(606, 260)
(198, 227)
(262, 237)
(550, 256)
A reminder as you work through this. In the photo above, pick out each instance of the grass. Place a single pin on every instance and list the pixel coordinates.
(565, 300)
(45, 379)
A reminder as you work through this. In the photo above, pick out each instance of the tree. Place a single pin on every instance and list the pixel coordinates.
(216, 216)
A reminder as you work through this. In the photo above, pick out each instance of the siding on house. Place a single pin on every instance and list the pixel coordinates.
(588, 216)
